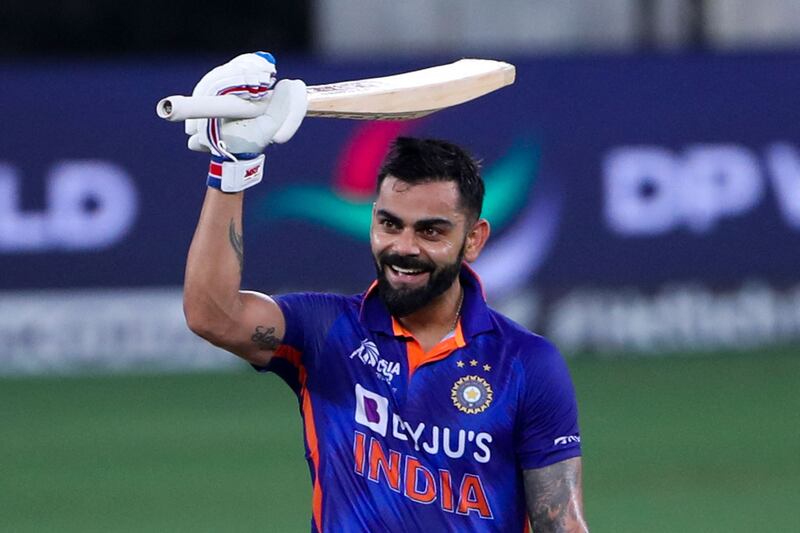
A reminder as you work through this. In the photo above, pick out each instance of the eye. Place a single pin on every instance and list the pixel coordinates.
(388, 224)
(431, 232)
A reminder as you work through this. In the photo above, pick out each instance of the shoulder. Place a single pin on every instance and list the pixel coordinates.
(528, 347)
(319, 300)
(312, 314)
(537, 362)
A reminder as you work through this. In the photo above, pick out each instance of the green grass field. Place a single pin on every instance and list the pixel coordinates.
(670, 445)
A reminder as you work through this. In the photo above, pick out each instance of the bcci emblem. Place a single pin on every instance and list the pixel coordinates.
(471, 394)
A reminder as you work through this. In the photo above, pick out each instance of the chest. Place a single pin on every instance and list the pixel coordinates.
(462, 405)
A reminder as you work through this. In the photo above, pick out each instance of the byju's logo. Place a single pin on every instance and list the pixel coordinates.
(372, 410)
(410, 476)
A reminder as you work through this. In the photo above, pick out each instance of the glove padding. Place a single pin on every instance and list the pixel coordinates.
(248, 76)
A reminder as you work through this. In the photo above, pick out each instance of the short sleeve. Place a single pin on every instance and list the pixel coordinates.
(547, 423)
(308, 317)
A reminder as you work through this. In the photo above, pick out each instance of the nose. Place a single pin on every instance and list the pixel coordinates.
(406, 243)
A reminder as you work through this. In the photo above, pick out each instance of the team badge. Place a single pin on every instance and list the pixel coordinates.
(471, 394)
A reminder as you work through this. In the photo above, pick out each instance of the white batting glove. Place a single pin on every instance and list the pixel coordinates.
(236, 145)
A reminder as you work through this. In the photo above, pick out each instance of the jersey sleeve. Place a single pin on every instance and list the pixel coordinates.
(547, 424)
(308, 317)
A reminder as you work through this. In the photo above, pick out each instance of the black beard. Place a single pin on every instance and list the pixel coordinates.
(403, 302)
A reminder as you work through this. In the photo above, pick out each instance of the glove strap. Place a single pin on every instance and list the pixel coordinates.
(235, 176)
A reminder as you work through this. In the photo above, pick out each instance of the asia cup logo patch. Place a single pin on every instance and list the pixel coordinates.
(471, 394)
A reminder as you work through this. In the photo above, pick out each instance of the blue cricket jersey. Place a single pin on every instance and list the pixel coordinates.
(401, 440)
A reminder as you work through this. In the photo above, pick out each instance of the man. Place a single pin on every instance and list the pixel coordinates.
(423, 409)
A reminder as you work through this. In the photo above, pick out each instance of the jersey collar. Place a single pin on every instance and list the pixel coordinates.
(475, 317)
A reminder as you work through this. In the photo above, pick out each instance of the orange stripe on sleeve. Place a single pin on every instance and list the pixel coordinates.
(293, 356)
(290, 354)
(313, 448)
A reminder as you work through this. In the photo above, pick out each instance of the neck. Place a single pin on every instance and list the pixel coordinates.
(439, 316)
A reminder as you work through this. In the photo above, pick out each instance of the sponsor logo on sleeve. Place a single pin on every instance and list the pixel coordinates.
(566, 439)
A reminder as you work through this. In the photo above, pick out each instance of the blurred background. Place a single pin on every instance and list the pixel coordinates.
(643, 184)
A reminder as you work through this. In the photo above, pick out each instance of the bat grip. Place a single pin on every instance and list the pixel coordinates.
(177, 108)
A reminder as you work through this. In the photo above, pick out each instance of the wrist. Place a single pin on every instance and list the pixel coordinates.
(236, 157)
(233, 176)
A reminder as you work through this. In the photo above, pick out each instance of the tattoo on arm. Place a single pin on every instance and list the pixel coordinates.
(236, 243)
(265, 339)
(554, 498)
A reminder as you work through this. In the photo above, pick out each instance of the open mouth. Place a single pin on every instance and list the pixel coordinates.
(406, 275)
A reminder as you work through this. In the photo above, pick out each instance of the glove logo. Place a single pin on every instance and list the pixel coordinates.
(252, 172)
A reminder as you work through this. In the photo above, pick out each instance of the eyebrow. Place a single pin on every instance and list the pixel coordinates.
(419, 224)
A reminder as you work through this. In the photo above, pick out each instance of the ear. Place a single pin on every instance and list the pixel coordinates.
(476, 239)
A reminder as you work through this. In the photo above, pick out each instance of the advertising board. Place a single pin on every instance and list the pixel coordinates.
(647, 203)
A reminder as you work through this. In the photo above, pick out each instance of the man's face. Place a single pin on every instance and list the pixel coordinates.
(418, 239)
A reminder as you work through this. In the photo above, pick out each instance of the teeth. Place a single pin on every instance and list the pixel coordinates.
(405, 270)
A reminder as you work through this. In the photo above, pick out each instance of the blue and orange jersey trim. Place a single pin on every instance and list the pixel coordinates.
(417, 356)
(294, 357)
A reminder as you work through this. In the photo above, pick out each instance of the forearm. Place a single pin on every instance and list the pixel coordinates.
(554, 497)
(214, 265)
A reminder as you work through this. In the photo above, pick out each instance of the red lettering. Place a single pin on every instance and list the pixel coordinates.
(420, 484)
(447, 491)
(413, 470)
(390, 467)
(358, 452)
(472, 498)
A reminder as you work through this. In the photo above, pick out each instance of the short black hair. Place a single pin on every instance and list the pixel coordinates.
(415, 161)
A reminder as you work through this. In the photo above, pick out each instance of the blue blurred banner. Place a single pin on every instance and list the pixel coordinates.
(664, 186)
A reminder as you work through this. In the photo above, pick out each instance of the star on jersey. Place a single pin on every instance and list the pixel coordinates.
(474, 362)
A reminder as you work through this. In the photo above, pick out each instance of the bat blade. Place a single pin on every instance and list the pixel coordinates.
(412, 94)
(397, 97)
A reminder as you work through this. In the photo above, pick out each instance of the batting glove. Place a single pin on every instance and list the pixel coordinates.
(236, 146)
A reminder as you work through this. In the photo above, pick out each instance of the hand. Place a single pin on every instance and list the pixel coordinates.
(237, 145)
(250, 77)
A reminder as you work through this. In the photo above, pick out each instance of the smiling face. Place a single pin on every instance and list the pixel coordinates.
(420, 235)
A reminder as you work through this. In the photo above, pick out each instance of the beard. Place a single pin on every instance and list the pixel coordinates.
(403, 301)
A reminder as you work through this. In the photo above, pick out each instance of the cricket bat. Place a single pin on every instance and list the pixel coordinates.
(398, 97)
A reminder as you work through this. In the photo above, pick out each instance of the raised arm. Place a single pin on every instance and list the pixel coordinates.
(554, 497)
(245, 323)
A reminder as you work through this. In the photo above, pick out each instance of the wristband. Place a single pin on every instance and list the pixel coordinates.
(235, 176)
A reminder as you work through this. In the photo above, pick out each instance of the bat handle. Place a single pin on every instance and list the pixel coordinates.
(177, 108)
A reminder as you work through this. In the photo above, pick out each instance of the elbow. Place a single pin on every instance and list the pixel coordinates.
(204, 323)
(202, 327)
